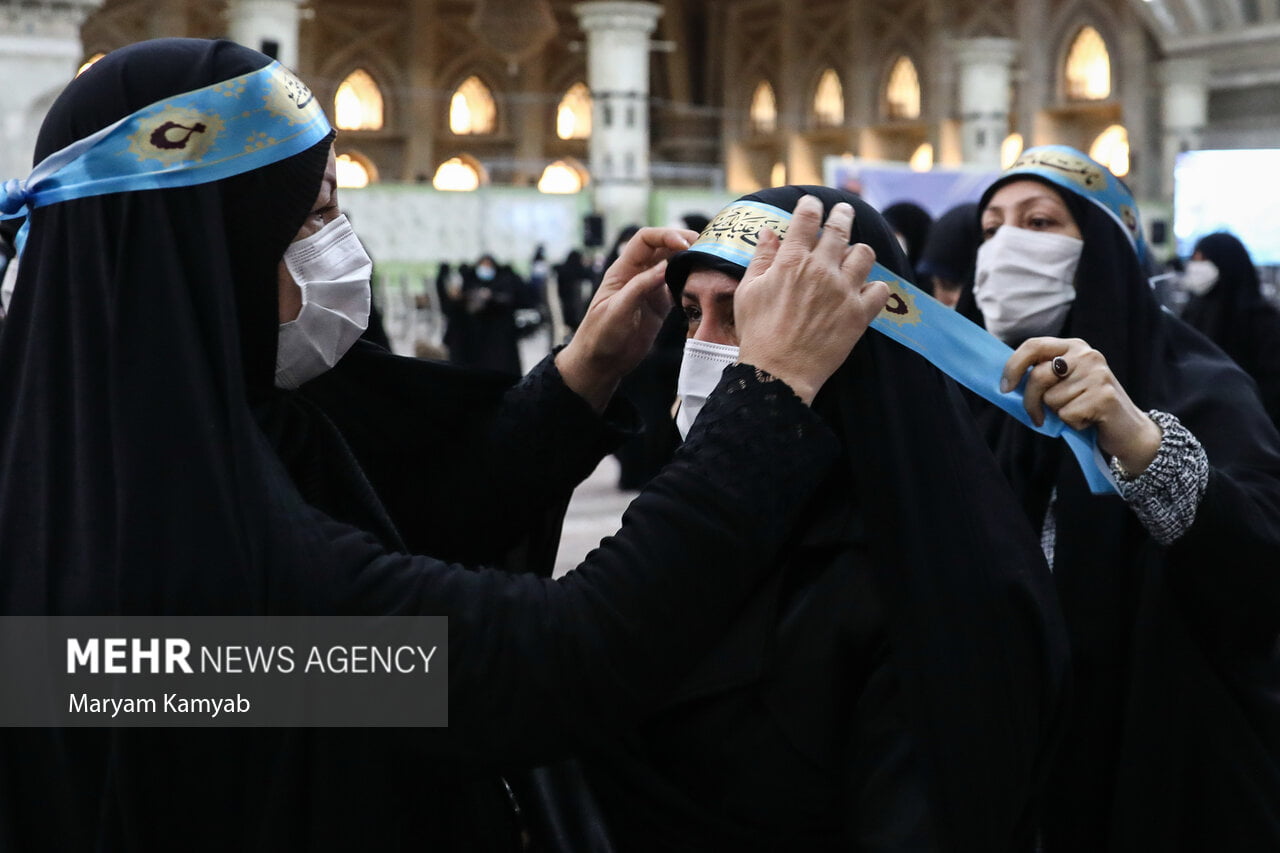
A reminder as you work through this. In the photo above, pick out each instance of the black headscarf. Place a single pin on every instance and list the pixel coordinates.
(971, 617)
(134, 478)
(1171, 657)
(123, 324)
(1218, 313)
(1237, 317)
(952, 248)
(914, 223)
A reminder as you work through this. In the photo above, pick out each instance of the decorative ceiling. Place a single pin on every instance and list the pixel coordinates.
(1193, 25)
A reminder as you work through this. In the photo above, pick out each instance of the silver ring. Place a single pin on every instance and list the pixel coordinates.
(1060, 367)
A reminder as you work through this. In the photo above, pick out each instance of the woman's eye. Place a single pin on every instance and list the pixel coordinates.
(1040, 223)
(989, 231)
(691, 313)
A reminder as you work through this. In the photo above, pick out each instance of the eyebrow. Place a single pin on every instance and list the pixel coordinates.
(719, 296)
(1028, 201)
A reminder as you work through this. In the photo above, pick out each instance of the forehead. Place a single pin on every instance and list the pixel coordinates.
(1016, 193)
(708, 284)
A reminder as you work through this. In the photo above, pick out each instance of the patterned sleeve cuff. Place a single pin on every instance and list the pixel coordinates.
(1167, 494)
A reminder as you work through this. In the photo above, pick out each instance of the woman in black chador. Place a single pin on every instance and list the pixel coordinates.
(895, 686)
(491, 293)
(1171, 591)
(188, 427)
(574, 280)
(1227, 305)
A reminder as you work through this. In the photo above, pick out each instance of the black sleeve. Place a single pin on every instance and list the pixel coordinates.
(542, 442)
(1265, 360)
(539, 668)
(466, 462)
(1226, 567)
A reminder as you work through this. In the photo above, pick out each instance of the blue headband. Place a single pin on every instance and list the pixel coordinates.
(212, 133)
(1078, 173)
(951, 342)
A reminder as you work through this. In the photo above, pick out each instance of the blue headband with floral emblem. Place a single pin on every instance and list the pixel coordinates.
(212, 133)
(951, 342)
(1078, 173)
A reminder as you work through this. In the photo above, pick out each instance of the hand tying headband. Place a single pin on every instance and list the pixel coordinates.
(950, 342)
(197, 137)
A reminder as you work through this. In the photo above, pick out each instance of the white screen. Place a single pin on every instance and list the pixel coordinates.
(1236, 191)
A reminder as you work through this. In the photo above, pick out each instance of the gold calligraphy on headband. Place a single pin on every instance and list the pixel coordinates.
(734, 234)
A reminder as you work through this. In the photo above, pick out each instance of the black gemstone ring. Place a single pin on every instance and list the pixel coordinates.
(1060, 367)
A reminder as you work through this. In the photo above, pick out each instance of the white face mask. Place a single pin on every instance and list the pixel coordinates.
(1200, 277)
(333, 270)
(1024, 282)
(700, 371)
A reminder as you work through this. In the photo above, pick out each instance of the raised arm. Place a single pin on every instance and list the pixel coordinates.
(539, 667)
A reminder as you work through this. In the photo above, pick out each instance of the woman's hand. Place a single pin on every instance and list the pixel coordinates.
(624, 316)
(1083, 392)
(805, 301)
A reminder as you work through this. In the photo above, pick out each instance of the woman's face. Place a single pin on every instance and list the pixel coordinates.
(1031, 205)
(707, 301)
(323, 211)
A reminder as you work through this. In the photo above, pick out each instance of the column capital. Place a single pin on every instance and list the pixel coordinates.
(605, 15)
(987, 50)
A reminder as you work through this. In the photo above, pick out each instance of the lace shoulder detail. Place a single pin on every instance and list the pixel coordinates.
(543, 394)
(754, 413)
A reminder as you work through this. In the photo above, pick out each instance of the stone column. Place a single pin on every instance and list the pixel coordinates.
(983, 66)
(529, 114)
(259, 24)
(1036, 75)
(1185, 102)
(618, 74)
(40, 50)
